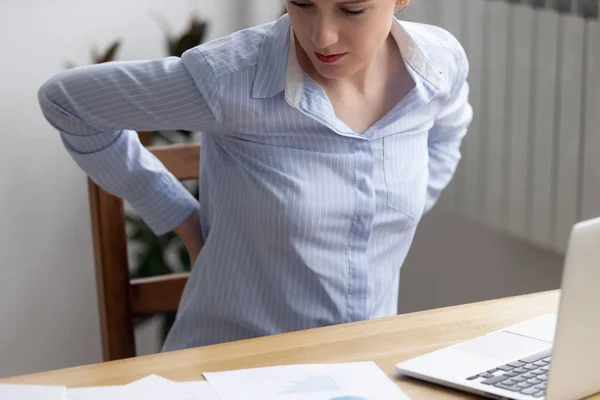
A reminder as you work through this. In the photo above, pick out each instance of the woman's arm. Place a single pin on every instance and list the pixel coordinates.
(98, 108)
(190, 233)
(446, 136)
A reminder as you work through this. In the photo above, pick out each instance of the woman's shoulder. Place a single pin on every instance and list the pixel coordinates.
(234, 52)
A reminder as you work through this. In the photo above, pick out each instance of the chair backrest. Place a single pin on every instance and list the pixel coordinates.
(120, 298)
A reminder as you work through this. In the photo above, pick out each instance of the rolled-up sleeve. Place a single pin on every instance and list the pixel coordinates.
(448, 132)
(99, 109)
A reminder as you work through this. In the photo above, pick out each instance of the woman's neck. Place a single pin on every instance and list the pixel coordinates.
(380, 69)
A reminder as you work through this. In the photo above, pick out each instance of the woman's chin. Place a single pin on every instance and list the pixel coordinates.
(332, 71)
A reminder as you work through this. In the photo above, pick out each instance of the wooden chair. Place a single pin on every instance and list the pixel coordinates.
(121, 298)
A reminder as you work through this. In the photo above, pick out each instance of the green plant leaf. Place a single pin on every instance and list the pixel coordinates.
(193, 37)
(167, 324)
(184, 258)
(164, 136)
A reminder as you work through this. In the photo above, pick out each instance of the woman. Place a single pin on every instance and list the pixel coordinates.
(327, 134)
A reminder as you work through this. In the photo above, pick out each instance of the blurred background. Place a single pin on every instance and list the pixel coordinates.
(529, 168)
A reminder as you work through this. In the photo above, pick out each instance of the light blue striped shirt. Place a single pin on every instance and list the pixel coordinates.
(306, 223)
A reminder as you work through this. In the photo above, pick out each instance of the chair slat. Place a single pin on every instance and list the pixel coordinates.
(112, 275)
(156, 295)
(183, 160)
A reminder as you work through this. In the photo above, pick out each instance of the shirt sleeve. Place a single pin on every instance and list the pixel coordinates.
(448, 132)
(98, 109)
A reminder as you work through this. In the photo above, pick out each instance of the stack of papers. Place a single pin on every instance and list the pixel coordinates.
(350, 381)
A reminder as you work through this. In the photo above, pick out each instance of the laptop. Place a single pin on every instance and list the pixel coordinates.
(554, 356)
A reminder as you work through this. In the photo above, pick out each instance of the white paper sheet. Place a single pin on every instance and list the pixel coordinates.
(96, 393)
(152, 387)
(32, 392)
(149, 382)
(108, 392)
(196, 391)
(350, 381)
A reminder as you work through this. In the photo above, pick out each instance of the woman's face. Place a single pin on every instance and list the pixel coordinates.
(341, 36)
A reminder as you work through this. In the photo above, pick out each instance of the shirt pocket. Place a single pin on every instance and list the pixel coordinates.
(405, 160)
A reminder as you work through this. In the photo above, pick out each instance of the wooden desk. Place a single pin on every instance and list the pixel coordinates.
(385, 341)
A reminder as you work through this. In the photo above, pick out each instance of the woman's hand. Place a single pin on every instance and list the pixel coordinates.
(190, 233)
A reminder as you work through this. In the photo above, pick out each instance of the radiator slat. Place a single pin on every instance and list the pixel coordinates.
(520, 122)
(546, 34)
(591, 166)
(472, 161)
(495, 129)
(569, 128)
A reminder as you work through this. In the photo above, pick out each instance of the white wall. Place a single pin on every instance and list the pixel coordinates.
(48, 312)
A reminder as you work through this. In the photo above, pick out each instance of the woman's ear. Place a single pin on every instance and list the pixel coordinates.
(400, 4)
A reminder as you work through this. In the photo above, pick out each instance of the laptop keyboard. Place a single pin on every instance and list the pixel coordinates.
(527, 376)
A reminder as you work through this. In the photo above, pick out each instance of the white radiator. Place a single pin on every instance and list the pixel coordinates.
(531, 160)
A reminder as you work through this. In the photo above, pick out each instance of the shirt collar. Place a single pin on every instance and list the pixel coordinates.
(415, 57)
(277, 64)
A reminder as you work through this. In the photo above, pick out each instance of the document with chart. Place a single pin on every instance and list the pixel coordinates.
(348, 381)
